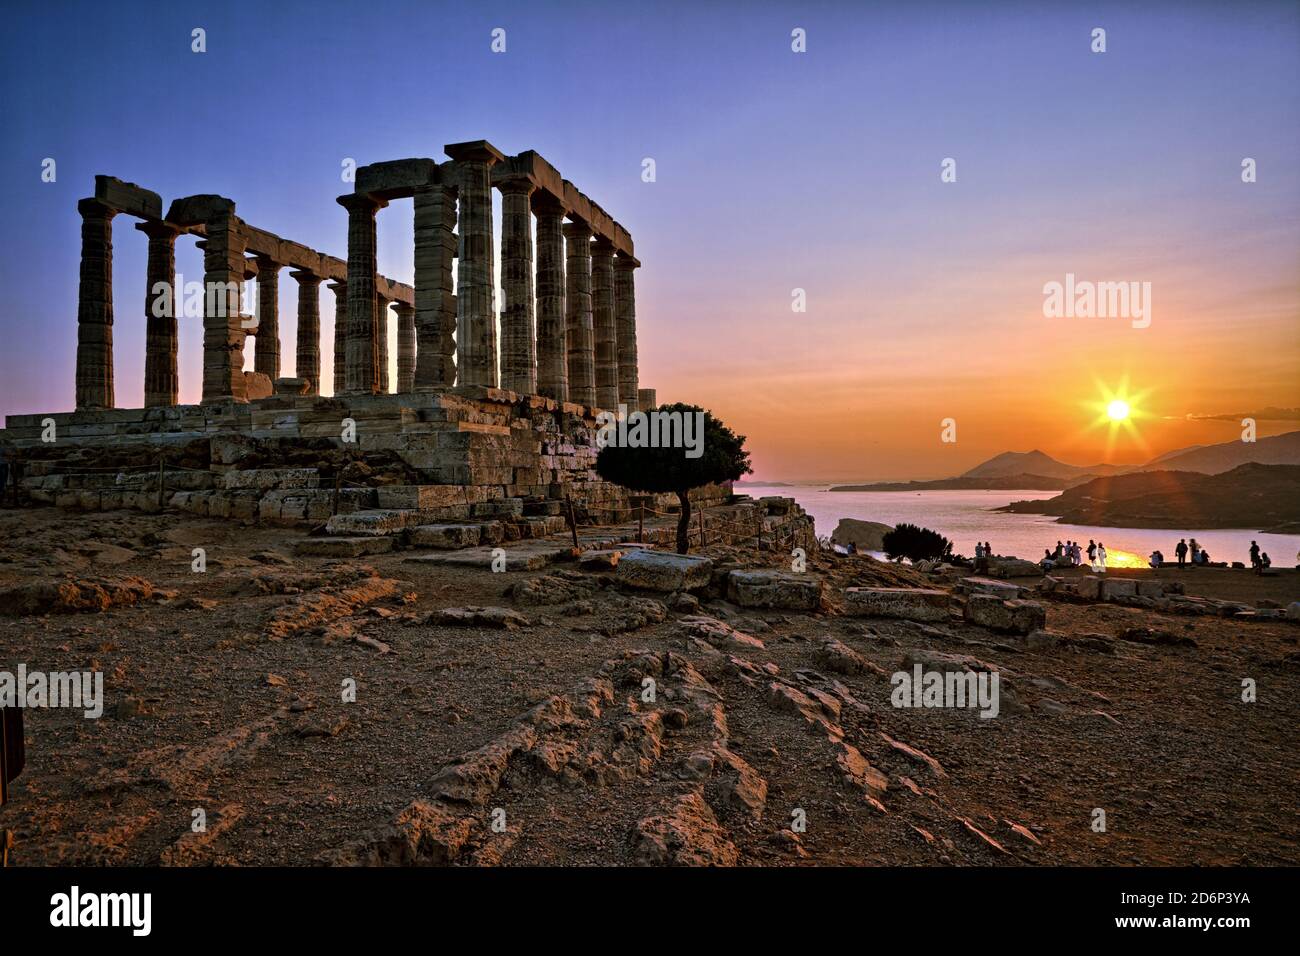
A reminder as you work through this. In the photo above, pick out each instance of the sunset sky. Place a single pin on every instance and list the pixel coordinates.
(775, 171)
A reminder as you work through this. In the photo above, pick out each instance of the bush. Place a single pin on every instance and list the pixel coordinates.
(915, 544)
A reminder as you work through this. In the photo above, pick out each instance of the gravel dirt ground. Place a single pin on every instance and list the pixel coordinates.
(531, 738)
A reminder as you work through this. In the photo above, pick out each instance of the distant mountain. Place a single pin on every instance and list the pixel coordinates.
(967, 483)
(1215, 459)
(1262, 497)
(1034, 463)
(1038, 471)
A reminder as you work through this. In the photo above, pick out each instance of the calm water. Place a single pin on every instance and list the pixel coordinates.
(965, 517)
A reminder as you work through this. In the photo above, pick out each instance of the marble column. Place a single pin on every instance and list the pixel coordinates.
(161, 382)
(625, 321)
(405, 347)
(381, 341)
(340, 289)
(435, 302)
(361, 375)
(518, 343)
(94, 378)
(577, 303)
(646, 399)
(307, 364)
(602, 321)
(476, 325)
(552, 350)
(266, 350)
(224, 268)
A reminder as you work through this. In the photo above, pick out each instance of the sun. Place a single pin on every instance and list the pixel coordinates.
(1117, 410)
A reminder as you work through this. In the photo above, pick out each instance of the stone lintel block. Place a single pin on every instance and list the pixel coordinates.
(128, 197)
(909, 604)
(396, 178)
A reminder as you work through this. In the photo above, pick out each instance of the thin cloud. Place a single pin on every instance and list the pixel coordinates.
(1269, 414)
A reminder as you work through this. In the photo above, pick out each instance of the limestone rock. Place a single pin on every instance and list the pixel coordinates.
(498, 617)
(863, 535)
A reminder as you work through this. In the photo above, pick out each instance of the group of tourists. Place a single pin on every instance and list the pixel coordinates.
(1069, 554)
(1190, 551)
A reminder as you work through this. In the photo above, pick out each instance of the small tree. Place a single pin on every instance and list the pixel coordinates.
(669, 470)
(915, 544)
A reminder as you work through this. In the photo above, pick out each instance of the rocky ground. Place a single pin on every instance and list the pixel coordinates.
(507, 718)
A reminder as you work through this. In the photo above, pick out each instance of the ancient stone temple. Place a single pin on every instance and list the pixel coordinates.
(491, 410)
(567, 322)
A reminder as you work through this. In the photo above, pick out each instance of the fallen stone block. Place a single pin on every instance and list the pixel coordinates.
(1003, 589)
(1112, 588)
(775, 589)
(1016, 616)
(368, 522)
(909, 604)
(446, 536)
(341, 547)
(663, 571)
(1088, 588)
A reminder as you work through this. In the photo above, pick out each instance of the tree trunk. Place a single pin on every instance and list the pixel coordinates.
(684, 523)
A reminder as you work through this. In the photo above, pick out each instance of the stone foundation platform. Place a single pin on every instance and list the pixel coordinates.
(466, 466)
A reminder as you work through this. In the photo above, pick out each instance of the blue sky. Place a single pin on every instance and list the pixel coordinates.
(775, 171)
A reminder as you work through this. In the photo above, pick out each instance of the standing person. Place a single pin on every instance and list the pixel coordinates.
(1181, 552)
(1195, 550)
(1092, 553)
(1100, 566)
(1254, 556)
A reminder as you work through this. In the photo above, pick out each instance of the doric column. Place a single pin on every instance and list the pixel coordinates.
(340, 289)
(94, 379)
(307, 365)
(362, 359)
(518, 344)
(435, 303)
(476, 326)
(625, 321)
(552, 348)
(381, 341)
(223, 334)
(405, 347)
(266, 350)
(602, 321)
(646, 399)
(161, 384)
(577, 304)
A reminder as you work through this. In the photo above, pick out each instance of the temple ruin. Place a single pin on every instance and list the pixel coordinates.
(477, 427)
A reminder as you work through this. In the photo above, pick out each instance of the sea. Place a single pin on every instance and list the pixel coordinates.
(965, 517)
